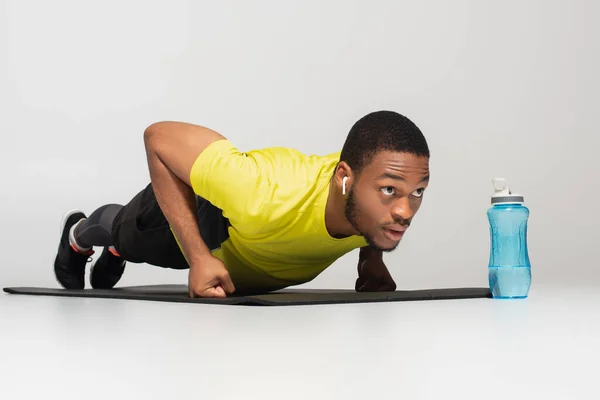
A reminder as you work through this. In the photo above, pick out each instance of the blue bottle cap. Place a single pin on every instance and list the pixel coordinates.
(503, 195)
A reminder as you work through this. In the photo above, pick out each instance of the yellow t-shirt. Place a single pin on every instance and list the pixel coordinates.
(275, 201)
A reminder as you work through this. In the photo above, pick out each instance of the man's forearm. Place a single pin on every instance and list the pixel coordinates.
(177, 202)
(369, 253)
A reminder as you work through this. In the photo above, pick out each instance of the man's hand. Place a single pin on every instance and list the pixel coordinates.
(373, 276)
(208, 277)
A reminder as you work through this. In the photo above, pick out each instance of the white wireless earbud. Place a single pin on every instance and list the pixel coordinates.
(344, 185)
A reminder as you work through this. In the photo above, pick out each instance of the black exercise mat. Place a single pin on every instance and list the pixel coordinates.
(179, 293)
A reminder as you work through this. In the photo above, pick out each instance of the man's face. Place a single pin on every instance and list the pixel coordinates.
(383, 200)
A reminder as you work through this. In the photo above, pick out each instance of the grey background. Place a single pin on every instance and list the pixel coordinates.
(499, 89)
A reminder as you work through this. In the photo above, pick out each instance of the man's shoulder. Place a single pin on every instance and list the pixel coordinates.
(285, 156)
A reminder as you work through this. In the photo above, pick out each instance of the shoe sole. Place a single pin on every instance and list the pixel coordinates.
(92, 271)
(66, 217)
(63, 223)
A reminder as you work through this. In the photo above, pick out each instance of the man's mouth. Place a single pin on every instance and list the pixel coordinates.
(394, 233)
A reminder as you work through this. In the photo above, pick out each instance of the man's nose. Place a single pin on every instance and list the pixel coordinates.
(402, 209)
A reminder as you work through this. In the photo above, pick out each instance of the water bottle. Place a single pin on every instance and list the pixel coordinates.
(509, 269)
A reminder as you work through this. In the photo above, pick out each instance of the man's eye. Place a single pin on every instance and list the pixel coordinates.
(418, 192)
(388, 191)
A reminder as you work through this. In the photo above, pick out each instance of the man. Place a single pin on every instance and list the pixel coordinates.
(256, 221)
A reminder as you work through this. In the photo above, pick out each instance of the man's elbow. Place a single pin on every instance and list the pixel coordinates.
(181, 142)
(154, 130)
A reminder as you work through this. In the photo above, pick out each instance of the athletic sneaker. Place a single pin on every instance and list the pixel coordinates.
(69, 265)
(106, 270)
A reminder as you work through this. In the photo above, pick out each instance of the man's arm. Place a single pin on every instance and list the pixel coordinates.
(171, 149)
(369, 253)
(373, 275)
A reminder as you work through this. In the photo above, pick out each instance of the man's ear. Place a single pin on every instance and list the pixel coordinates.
(342, 171)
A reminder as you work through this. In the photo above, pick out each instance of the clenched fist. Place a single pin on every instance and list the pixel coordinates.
(208, 277)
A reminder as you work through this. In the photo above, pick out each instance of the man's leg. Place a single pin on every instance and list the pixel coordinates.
(137, 232)
(79, 235)
(95, 230)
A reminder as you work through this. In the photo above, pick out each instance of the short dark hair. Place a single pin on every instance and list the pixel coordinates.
(379, 131)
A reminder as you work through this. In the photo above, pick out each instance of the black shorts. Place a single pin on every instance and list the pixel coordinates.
(142, 234)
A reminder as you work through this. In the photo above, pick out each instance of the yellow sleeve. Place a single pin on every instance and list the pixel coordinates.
(231, 180)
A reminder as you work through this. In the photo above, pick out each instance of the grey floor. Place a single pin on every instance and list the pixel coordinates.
(543, 347)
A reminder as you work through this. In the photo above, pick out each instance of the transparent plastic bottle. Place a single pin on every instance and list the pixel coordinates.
(509, 269)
